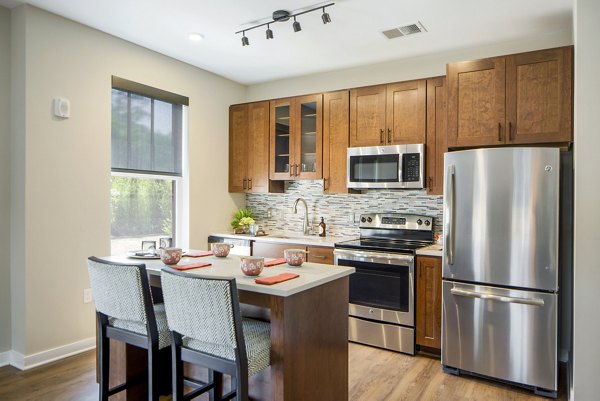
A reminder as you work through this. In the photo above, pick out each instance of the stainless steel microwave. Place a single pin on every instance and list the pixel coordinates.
(394, 166)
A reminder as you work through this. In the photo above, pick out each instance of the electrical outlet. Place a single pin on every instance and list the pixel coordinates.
(87, 295)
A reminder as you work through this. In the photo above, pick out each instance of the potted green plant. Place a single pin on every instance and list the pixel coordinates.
(241, 219)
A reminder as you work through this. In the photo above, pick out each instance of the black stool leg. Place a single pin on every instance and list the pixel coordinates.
(104, 357)
(177, 366)
(153, 376)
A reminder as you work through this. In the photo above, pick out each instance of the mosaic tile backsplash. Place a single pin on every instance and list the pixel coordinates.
(341, 212)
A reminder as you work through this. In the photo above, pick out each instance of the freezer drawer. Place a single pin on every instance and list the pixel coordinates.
(388, 336)
(506, 334)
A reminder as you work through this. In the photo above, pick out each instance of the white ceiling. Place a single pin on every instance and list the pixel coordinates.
(352, 38)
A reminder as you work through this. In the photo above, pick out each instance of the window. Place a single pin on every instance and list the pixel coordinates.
(148, 180)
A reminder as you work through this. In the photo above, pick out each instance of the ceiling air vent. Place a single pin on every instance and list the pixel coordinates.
(409, 29)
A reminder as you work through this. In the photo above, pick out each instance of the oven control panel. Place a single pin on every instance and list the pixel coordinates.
(396, 221)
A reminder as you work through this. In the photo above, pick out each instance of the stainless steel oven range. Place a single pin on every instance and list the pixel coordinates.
(382, 290)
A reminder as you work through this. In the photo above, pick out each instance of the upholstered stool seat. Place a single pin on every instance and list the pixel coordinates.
(207, 330)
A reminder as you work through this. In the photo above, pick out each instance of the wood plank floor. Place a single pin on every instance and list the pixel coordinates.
(375, 375)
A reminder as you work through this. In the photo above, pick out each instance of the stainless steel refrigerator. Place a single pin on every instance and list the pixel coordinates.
(500, 265)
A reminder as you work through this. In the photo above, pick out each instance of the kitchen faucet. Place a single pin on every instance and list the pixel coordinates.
(295, 210)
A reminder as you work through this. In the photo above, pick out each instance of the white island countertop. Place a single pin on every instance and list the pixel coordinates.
(311, 274)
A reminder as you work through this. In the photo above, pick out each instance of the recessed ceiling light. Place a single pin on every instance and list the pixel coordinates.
(195, 37)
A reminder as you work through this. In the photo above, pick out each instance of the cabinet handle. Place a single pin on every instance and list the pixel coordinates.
(325, 183)
(318, 256)
(244, 185)
(389, 135)
(499, 132)
(296, 169)
(249, 183)
(510, 131)
(291, 170)
(381, 135)
(430, 183)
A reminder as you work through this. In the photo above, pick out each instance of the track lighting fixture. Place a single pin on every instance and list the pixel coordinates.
(297, 27)
(325, 17)
(282, 16)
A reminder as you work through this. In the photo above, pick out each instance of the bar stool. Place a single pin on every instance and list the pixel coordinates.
(125, 312)
(207, 330)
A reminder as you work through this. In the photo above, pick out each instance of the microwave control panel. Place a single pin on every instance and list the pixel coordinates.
(411, 167)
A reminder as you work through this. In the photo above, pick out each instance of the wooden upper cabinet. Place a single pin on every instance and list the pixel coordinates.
(388, 114)
(258, 147)
(436, 135)
(238, 148)
(476, 102)
(249, 148)
(429, 302)
(367, 116)
(405, 114)
(336, 110)
(539, 95)
(517, 99)
(297, 138)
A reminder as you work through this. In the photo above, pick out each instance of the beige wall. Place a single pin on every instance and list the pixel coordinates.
(400, 70)
(4, 179)
(66, 164)
(587, 200)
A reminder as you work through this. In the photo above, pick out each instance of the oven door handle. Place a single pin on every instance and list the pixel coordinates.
(374, 257)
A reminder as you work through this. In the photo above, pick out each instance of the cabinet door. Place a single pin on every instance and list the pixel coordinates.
(238, 148)
(271, 250)
(281, 166)
(539, 96)
(319, 254)
(476, 107)
(429, 301)
(405, 115)
(308, 137)
(258, 147)
(367, 116)
(336, 111)
(436, 135)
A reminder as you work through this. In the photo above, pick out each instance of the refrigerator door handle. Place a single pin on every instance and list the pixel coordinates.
(449, 217)
(499, 298)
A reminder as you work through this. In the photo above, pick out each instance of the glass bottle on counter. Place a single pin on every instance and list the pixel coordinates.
(322, 227)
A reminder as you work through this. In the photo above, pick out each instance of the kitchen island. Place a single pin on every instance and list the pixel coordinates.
(309, 326)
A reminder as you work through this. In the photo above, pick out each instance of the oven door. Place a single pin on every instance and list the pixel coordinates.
(382, 288)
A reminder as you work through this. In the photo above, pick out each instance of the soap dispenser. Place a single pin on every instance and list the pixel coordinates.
(322, 227)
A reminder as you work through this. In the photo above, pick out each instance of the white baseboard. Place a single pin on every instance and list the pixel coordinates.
(4, 358)
(23, 362)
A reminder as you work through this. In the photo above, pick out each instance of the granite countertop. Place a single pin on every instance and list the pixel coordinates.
(311, 274)
(287, 237)
(431, 250)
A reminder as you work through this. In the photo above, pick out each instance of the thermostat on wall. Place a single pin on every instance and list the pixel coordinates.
(62, 107)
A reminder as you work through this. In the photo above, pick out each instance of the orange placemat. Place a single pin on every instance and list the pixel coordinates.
(191, 266)
(198, 254)
(276, 279)
(275, 262)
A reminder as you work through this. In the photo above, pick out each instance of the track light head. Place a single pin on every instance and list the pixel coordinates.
(297, 27)
(325, 17)
(269, 32)
(245, 41)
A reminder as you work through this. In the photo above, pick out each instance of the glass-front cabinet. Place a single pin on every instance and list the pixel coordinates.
(296, 138)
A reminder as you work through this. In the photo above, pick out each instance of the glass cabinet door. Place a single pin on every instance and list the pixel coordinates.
(281, 140)
(309, 141)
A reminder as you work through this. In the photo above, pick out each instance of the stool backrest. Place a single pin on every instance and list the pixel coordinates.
(203, 308)
(120, 290)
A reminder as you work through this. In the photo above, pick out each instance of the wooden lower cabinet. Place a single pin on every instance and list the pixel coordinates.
(429, 302)
(320, 254)
(316, 254)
